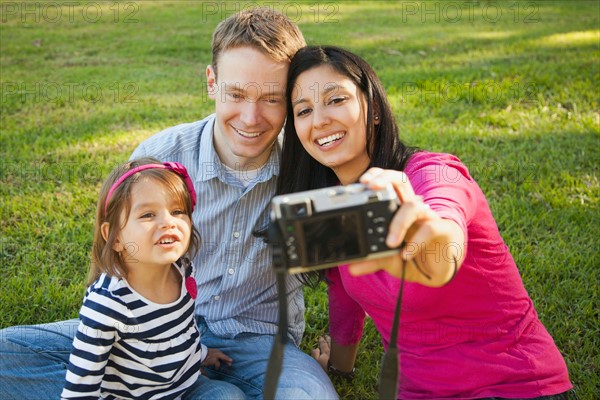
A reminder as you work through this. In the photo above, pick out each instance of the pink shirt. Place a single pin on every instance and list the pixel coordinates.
(478, 336)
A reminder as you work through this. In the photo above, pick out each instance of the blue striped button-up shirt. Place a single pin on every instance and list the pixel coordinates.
(236, 285)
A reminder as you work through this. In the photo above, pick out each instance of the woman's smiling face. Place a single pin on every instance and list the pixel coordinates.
(330, 121)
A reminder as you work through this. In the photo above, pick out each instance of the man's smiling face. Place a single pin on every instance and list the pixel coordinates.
(249, 94)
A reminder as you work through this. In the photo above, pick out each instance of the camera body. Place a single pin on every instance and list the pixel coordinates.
(321, 228)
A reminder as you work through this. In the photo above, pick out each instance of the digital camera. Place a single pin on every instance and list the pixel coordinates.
(326, 227)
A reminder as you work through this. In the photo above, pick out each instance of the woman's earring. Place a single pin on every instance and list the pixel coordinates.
(377, 118)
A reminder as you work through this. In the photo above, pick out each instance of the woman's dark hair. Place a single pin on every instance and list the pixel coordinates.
(299, 171)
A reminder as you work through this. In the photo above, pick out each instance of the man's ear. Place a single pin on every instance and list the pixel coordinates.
(104, 229)
(211, 82)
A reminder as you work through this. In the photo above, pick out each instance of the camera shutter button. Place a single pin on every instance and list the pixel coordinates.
(355, 188)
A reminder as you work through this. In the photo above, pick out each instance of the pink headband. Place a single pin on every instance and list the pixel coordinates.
(173, 166)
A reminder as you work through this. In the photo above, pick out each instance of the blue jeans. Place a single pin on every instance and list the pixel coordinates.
(301, 376)
(34, 360)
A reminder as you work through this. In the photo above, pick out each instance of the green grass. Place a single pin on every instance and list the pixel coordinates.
(514, 95)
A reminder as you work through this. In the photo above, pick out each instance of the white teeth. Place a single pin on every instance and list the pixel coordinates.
(166, 241)
(329, 139)
(248, 134)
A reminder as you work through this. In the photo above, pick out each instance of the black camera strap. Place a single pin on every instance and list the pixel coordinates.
(276, 358)
(388, 376)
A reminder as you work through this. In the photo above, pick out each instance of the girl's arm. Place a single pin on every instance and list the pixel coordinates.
(91, 348)
(214, 358)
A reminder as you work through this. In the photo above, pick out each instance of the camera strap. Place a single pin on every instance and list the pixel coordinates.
(388, 376)
(276, 358)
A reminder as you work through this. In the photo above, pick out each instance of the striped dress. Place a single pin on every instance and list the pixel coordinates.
(128, 347)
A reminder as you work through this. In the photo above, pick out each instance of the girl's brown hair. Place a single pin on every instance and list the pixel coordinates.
(104, 259)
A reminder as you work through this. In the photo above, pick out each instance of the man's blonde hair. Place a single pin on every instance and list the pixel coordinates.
(262, 28)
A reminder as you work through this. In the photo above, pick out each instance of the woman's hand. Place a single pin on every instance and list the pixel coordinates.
(432, 248)
(340, 357)
(322, 353)
(215, 357)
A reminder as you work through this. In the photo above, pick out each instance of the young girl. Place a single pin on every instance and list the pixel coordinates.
(468, 327)
(137, 337)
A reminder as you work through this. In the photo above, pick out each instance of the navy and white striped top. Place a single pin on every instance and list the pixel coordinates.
(237, 291)
(128, 347)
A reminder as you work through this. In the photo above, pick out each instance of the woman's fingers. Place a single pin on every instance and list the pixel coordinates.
(378, 179)
(407, 218)
(315, 353)
(325, 344)
(412, 208)
(364, 267)
(321, 354)
(392, 264)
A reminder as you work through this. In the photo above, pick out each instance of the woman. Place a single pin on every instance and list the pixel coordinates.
(468, 326)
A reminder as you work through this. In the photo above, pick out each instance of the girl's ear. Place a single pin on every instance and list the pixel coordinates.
(104, 229)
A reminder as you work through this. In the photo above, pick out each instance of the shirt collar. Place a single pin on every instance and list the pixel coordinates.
(208, 160)
(210, 165)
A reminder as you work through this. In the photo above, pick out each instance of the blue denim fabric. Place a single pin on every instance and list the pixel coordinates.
(34, 360)
(301, 376)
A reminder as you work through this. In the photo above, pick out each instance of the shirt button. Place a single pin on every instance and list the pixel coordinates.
(236, 235)
(230, 271)
(217, 298)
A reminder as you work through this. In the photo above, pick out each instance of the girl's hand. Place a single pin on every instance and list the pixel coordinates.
(431, 244)
(215, 357)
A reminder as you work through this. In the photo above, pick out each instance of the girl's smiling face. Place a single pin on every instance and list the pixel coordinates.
(157, 231)
(330, 121)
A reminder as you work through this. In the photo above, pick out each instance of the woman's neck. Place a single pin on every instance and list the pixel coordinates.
(350, 173)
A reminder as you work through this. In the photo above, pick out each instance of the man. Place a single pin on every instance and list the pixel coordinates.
(233, 158)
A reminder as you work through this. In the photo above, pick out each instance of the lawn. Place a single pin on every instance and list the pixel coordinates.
(509, 87)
